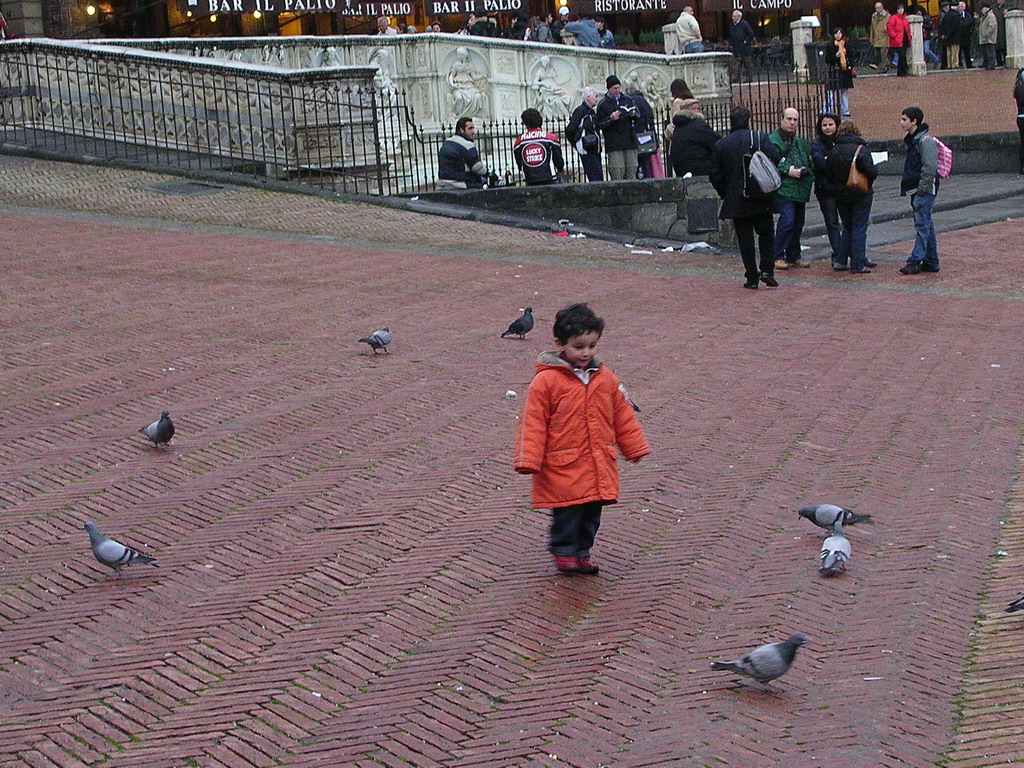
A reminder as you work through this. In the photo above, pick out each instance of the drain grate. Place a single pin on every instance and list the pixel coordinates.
(184, 188)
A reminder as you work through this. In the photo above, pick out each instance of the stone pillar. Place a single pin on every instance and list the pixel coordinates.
(1014, 39)
(915, 64)
(672, 46)
(24, 17)
(802, 32)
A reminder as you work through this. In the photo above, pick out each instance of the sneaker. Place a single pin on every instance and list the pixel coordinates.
(928, 268)
(565, 563)
(800, 263)
(769, 280)
(586, 565)
(781, 264)
(911, 268)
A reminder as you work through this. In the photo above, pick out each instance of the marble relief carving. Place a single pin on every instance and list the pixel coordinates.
(466, 83)
(549, 85)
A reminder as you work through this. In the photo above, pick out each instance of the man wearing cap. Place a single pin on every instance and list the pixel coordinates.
(615, 115)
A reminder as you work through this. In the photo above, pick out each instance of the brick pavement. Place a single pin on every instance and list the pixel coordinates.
(350, 574)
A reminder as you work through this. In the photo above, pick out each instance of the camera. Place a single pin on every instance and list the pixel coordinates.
(803, 171)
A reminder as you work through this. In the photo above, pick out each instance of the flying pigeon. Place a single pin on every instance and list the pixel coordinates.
(835, 552)
(1016, 605)
(766, 663)
(379, 339)
(832, 518)
(113, 554)
(521, 325)
(160, 431)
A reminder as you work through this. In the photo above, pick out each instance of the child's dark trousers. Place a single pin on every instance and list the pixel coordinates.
(573, 529)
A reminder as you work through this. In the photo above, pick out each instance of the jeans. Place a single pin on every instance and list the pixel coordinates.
(844, 101)
(855, 213)
(789, 229)
(574, 528)
(592, 167)
(694, 46)
(930, 55)
(763, 225)
(926, 249)
(622, 164)
(833, 228)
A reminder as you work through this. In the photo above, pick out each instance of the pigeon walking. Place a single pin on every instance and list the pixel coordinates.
(521, 325)
(1016, 605)
(160, 431)
(112, 553)
(766, 663)
(832, 518)
(379, 339)
(835, 553)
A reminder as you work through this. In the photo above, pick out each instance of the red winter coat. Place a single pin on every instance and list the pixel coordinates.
(899, 31)
(568, 433)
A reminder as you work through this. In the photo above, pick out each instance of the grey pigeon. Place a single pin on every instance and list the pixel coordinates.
(113, 554)
(832, 518)
(379, 339)
(835, 553)
(1016, 605)
(160, 431)
(766, 663)
(521, 325)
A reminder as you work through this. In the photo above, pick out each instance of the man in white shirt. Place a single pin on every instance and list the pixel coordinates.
(688, 32)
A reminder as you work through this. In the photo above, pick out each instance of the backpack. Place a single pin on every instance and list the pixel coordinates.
(762, 176)
(945, 159)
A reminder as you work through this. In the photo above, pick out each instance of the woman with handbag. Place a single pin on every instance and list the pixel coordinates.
(582, 132)
(648, 157)
(852, 173)
(825, 139)
(840, 73)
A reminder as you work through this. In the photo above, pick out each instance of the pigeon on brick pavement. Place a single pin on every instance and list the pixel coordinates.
(832, 518)
(160, 431)
(112, 553)
(1016, 605)
(766, 663)
(379, 339)
(521, 325)
(835, 553)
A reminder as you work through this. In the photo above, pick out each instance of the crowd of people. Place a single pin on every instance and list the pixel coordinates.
(951, 40)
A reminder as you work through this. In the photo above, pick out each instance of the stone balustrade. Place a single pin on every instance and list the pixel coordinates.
(446, 76)
(1015, 39)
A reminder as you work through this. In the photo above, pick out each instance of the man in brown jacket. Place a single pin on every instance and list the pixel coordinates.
(879, 37)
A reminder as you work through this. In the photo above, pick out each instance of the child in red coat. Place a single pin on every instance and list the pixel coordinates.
(575, 419)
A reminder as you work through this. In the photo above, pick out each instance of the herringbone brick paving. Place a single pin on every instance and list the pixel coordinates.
(350, 574)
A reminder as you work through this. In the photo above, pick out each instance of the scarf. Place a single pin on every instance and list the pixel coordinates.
(841, 45)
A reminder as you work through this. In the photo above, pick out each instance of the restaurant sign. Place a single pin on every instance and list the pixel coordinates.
(611, 7)
(352, 7)
(756, 7)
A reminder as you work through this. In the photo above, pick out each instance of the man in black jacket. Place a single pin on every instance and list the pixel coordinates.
(458, 160)
(750, 210)
(741, 39)
(615, 115)
(536, 151)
